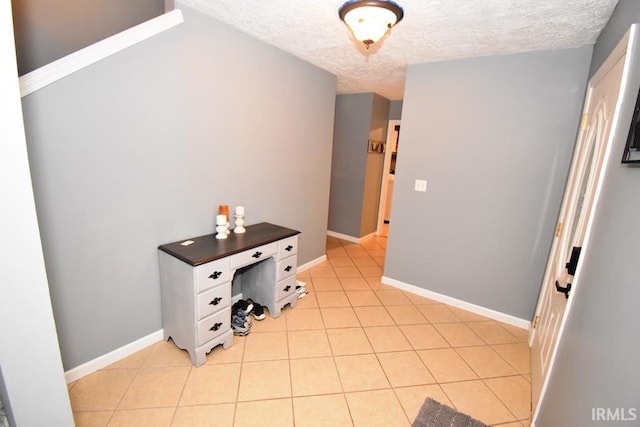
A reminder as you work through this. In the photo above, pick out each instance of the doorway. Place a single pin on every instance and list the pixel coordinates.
(576, 215)
(388, 177)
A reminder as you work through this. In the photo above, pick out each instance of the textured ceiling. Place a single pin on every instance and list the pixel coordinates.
(432, 30)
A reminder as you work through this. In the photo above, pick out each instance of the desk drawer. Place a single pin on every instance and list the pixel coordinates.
(286, 268)
(254, 255)
(214, 325)
(287, 247)
(285, 287)
(211, 274)
(213, 300)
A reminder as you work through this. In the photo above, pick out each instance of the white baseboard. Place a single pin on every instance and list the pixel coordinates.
(112, 357)
(350, 238)
(311, 263)
(483, 311)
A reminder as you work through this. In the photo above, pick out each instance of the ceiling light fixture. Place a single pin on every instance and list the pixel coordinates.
(370, 20)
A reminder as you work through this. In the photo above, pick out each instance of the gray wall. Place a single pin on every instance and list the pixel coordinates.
(141, 148)
(32, 385)
(597, 363)
(48, 30)
(355, 173)
(493, 137)
(395, 110)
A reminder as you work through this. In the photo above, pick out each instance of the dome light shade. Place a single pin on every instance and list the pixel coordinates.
(370, 20)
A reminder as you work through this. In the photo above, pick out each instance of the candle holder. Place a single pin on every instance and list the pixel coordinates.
(239, 224)
(222, 227)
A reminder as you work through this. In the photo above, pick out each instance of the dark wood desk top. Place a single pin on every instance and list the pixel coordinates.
(207, 248)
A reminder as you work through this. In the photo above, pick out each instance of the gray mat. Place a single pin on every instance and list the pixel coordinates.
(435, 414)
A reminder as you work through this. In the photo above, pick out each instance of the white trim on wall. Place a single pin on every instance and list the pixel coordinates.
(56, 70)
(350, 238)
(483, 311)
(112, 357)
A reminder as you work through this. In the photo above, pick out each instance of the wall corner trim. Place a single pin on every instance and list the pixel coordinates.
(350, 238)
(483, 311)
(114, 356)
(76, 61)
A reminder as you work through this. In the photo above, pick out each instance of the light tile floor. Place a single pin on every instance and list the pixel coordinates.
(354, 352)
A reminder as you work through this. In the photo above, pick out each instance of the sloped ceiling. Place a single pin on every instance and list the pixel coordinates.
(432, 30)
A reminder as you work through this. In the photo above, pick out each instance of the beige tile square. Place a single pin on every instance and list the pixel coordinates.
(361, 372)
(269, 323)
(337, 252)
(101, 390)
(166, 353)
(515, 393)
(405, 368)
(232, 354)
(327, 284)
(347, 341)
(133, 361)
(362, 298)
(314, 376)
(375, 283)
(155, 387)
(419, 300)
(321, 272)
(386, 338)
(392, 297)
(517, 355)
(492, 333)
(308, 301)
(376, 408)
(332, 299)
(468, 316)
(298, 320)
(155, 417)
(344, 261)
(347, 272)
(92, 418)
(209, 384)
(339, 317)
(308, 344)
(264, 380)
(406, 314)
(266, 346)
(265, 413)
(458, 334)
(423, 336)
(438, 313)
(485, 362)
(356, 252)
(377, 252)
(475, 399)
(522, 335)
(321, 411)
(354, 284)
(364, 260)
(446, 365)
(202, 416)
(412, 398)
(373, 316)
(370, 271)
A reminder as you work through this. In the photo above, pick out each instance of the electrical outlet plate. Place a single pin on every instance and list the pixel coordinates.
(421, 185)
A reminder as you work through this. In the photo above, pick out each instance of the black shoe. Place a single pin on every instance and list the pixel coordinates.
(242, 306)
(258, 311)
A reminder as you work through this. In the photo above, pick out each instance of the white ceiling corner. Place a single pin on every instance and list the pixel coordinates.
(432, 30)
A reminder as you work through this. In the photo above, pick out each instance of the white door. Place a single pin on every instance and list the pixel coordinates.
(577, 210)
(388, 178)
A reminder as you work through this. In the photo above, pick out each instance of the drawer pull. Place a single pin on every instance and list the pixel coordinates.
(215, 301)
(288, 268)
(286, 288)
(215, 275)
(215, 327)
(257, 255)
(288, 248)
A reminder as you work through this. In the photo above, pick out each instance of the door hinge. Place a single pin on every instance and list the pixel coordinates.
(584, 121)
(536, 322)
(559, 229)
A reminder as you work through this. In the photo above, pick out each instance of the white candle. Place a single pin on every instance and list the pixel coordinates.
(239, 210)
(221, 219)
